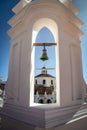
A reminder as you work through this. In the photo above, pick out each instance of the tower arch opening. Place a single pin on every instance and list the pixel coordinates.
(50, 29)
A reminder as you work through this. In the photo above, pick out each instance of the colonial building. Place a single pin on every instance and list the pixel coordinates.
(44, 88)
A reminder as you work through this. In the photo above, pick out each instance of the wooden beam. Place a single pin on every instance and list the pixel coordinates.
(44, 44)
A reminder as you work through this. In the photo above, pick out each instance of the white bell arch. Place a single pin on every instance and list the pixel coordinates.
(52, 26)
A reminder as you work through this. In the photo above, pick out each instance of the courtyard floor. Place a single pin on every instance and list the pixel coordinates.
(78, 122)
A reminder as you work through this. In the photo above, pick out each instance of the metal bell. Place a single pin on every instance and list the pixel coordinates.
(44, 55)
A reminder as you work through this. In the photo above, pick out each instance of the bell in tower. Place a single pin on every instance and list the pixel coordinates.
(44, 54)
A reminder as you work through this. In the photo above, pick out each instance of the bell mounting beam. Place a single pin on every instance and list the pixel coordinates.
(44, 44)
(46, 68)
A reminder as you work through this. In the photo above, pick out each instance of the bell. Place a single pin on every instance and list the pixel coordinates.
(44, 55)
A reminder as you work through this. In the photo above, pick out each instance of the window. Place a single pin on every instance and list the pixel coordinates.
(51, 81)
(44, 81)
(35, 81)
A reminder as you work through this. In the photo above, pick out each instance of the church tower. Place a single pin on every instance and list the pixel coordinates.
(59, 16)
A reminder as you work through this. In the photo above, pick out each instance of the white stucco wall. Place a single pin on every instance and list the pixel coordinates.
(21, 70)
(48, 81)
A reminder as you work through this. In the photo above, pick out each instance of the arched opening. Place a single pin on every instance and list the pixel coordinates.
(45, 70)
(41, 101)
(50, 29)
(49, 101)
(45, 36)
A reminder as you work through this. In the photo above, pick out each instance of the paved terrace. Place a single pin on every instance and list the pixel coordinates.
(78, 122)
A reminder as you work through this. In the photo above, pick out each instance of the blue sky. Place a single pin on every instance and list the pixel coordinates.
(47, 37)
(6, 14)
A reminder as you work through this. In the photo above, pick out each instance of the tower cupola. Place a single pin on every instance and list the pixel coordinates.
(44, 70)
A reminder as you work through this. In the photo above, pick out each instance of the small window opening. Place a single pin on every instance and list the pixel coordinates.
(51, 81)
(44, 81)
(35, 81)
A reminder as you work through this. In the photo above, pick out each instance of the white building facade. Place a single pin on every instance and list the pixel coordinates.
(44, 88)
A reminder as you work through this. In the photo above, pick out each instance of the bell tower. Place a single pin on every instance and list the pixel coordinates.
(59, 16)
